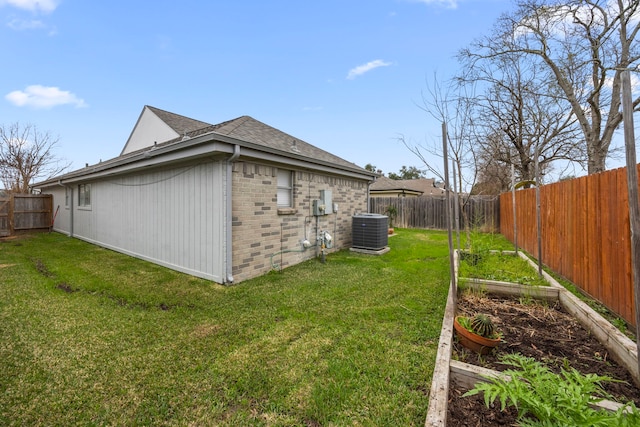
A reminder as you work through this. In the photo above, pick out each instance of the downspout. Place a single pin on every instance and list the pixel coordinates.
(70, 205)
(229, 216)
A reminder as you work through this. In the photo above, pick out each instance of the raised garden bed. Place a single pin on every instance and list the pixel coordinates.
(454, 377)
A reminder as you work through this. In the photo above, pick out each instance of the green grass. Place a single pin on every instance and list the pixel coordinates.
(92, 337)
(483, 264)
(503, 268)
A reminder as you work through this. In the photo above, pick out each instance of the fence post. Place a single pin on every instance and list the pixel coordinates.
(11, 214)
(632, 188)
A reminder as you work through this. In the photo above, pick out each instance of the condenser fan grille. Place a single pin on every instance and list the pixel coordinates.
(370, 231)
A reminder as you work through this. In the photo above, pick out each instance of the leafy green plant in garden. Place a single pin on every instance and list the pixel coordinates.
(544, 398)
(392, 213)
(479, 242)
(501, 267)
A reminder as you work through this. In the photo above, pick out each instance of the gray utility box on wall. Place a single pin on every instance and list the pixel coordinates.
(370, 231)
(323, 206)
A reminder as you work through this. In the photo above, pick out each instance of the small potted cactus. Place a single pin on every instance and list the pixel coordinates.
(477, 333)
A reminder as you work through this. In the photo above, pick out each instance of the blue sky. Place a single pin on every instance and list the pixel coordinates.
(343, 75)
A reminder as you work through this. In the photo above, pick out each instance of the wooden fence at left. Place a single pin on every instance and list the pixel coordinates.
(21, 212)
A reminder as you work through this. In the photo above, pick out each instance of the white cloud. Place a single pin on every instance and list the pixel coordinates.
(21, 24)
(33, 5)
(450, 4)
(361, 69)
(34, 24)
(37, 96)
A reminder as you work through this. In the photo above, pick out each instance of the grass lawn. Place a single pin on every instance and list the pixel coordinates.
(92, 337)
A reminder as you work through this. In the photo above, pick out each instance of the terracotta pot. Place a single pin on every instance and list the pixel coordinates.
(474, 342)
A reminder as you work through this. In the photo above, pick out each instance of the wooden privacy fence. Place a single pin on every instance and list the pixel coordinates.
(20, 212)
(429, 212)
(585, 234)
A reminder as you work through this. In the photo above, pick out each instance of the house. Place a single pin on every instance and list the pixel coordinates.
(225, 202)
(387, 187)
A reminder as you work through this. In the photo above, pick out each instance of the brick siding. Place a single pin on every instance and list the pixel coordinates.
(261, 234)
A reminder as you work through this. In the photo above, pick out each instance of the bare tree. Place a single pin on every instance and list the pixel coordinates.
(518, 111)
(494, 177)
(584, 45)
(446, 105)
(449, 104)
(27, 154)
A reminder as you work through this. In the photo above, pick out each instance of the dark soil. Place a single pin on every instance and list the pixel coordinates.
(66, 287)
(540, 330)
(42, 268)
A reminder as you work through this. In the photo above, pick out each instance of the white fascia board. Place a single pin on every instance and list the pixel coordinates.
(301, 163)
(201, 146)
(154, 157)
(261, 152)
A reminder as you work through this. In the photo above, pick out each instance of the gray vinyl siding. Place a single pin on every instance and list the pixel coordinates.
(61, 220)
(172, 217)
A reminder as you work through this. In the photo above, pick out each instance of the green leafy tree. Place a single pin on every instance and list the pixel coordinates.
(410, 172)
(372, 168)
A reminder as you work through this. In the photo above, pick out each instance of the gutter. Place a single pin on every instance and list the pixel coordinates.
(200, 146)
(228, 200)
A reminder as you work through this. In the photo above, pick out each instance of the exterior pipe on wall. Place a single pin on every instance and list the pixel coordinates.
(229, 215)
(70, 205)
(369, 195)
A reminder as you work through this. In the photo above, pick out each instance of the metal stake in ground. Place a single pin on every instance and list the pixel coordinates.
(445, 156)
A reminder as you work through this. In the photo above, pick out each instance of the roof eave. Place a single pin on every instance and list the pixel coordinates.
(201, 146)
(261, 152)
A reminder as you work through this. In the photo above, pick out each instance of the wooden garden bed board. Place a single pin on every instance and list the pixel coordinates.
(622, 349)
(547, 293)
(439, 393)
(466, 376)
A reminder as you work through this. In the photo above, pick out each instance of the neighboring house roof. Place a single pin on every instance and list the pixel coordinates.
(421, 186)
(200, 139)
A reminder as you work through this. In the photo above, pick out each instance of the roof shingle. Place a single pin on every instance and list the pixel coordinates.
(180, 124)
